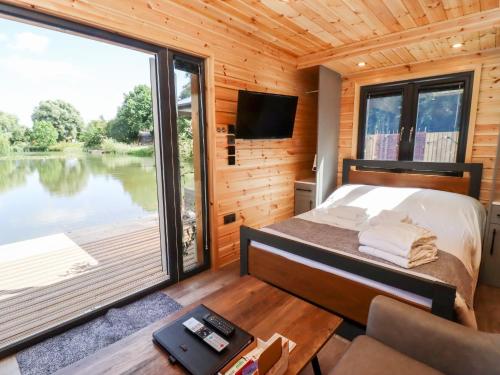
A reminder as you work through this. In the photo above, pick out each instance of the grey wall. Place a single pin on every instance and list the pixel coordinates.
(330, 85)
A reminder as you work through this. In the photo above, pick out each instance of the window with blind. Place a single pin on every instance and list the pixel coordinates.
(420, 120)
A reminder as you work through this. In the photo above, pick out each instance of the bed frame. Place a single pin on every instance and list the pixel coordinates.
(349, 298)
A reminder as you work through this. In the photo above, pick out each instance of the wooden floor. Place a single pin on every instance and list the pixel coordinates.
(47, 287)
(197, 287)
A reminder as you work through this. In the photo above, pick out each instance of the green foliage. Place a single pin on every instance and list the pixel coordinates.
(11, 128)
(94, 134)
(186, 89)
(62, 116)
(110, 146)
(43, 135)
(185, 133)
(146, 151)
(8, 122)
(4, 145)
(66, 147)
(134, 115)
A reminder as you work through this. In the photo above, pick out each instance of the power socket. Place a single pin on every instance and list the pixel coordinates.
(230, 218)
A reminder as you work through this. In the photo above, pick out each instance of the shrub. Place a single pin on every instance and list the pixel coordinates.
(67, 147)
(111, 146)
(43, 135)
(4, 145)
(19, 147)
(92, 137)
(142, 151)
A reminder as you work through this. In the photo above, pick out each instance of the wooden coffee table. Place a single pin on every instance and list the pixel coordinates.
(255, 306)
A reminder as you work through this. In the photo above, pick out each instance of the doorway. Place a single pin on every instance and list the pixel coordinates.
(123, 196)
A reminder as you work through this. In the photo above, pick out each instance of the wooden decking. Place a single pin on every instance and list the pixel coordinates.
(46, 288)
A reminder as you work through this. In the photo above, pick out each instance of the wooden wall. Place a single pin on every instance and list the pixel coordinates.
(485, 127)
(259, 189)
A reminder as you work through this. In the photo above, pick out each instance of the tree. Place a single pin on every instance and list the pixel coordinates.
(43, 135)
(4, 145)
(186, 89)
(94, 134)
(134, 115)
(185, 140)
(11, 128)
(62, 116)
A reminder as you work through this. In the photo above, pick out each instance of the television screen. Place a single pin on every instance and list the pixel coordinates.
(265, 116)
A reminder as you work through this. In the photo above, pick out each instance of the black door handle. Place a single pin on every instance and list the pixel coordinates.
(492, 248)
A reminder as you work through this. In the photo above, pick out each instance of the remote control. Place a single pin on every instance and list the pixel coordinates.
(220, 324)
(206, 334)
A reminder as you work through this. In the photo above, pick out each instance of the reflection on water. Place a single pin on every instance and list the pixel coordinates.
(46, 194)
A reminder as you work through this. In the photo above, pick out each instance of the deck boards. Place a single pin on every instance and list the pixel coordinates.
(123, 263)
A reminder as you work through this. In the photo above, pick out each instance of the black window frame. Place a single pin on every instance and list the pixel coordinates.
(410, 90)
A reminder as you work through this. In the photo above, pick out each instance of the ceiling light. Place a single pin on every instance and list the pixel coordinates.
(361, 64)
(457, 45)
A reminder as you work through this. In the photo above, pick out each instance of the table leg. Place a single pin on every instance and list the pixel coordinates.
(315, 365)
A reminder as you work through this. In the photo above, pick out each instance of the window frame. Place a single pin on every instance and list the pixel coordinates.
(410, 90)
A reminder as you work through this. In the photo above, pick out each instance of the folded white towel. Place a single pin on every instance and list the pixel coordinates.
(426, 254)
(399, 239)
(390, 216)
(322, 216)
(347, 212)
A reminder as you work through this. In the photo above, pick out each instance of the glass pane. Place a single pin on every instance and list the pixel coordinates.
(79, 222)
(383, 118)
(189, 139)
(438, 124)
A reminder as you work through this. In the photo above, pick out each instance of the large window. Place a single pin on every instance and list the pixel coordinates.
(419, 120)
(103, 171)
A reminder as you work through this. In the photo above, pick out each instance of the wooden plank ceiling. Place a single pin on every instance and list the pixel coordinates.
(341, 33)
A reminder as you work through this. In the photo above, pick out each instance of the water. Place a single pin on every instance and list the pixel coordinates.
(53, 193)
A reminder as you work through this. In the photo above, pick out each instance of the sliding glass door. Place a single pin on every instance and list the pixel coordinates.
(191, 143)
(103, 176)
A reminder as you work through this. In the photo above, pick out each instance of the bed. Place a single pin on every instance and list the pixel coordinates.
(309, 257)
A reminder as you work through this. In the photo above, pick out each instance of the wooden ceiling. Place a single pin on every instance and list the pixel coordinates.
(341, 33)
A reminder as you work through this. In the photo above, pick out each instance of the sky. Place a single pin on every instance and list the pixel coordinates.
(40, 64)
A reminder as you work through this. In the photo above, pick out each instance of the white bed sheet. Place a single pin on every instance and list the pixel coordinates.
(457, 220)
(408, 296)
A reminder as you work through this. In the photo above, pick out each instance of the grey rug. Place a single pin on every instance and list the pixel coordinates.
(77, 343)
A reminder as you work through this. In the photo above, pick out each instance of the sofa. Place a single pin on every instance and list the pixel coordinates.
(401, 339)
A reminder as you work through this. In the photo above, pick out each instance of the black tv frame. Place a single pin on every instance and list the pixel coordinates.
(269, 95)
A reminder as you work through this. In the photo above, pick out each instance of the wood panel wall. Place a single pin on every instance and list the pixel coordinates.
(259, 189)
(485, 127)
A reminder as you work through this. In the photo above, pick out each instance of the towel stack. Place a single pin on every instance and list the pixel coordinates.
(402, 243)
(347, 216)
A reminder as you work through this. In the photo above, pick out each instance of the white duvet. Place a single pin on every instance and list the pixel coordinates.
(457, 220)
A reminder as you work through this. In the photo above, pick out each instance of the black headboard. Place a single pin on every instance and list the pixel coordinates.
(430, 169)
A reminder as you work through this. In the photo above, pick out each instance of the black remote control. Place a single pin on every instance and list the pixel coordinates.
(220, 324)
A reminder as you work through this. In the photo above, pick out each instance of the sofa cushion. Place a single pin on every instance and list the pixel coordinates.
(370, 357)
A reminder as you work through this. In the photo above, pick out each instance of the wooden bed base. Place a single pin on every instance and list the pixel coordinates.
(349, 298)
(335, 293)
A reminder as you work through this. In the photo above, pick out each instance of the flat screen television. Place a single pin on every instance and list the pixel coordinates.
(265, 116)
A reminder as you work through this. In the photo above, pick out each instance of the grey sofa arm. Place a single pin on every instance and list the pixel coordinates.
(446, 346)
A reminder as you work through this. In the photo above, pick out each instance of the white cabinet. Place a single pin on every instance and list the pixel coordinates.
(305, 195)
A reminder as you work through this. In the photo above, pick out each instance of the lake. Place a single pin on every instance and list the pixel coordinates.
(51, 193)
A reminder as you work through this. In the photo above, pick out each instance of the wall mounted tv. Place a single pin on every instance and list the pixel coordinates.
(265, 116)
